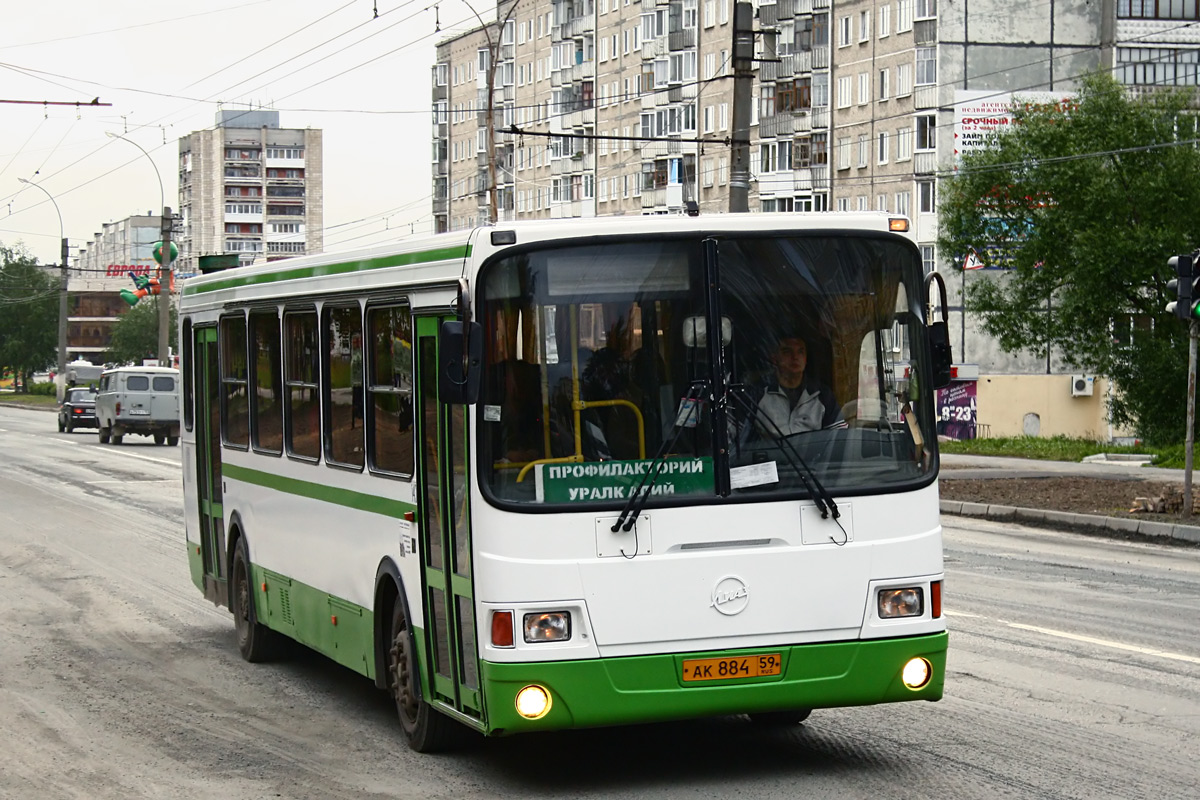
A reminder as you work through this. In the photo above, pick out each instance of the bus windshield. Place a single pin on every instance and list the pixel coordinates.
(757, 365)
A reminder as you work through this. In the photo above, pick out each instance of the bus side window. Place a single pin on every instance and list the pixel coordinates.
(266, 421)
(389, 390)
(235, 409)
(303, 405)
(343, 374)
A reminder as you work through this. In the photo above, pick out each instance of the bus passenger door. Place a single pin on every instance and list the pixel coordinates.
(451, 662)
(206, 380)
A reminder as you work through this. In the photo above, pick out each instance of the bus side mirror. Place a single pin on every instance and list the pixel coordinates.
(460, 360)
(940, 356)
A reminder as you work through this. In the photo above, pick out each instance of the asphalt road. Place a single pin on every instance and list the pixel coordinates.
(1074, 672)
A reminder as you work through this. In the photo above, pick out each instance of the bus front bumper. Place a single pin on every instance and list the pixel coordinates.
(619, 691)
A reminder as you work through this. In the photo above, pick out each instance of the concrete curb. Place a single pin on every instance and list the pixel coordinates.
(1138, 527)
(27, 407)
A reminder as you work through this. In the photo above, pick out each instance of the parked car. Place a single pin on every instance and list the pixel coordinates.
(140, 400)
(78, 409)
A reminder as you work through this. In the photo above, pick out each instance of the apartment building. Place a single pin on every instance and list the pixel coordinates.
(600, 106)
(98, 273)
(249, 187)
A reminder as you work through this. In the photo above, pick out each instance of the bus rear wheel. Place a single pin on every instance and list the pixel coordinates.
(779, 719)
(257, 643)
(426, 730)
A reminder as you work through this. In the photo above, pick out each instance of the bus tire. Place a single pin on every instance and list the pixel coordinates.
(779, 719)
(427, 730)
(257, 643)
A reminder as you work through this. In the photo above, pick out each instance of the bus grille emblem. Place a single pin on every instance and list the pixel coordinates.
(730, 596)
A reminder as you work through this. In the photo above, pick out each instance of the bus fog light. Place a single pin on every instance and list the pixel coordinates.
(917, 673)
(533, 702)
(901, 603)
(549, 626)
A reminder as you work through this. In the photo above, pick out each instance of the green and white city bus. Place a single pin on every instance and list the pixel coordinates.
(525, 478)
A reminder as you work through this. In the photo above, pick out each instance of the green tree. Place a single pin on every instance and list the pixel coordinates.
(28, 314)
(1083, 206)
(135, 336)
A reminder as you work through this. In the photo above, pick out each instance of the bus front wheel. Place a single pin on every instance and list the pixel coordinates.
(257, 643)
(426, 730)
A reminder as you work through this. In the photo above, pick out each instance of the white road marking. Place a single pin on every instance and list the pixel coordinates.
(127, 483)
(1076, 637)
(1146, 651)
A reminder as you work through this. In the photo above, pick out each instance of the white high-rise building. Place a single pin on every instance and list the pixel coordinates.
(251, 188)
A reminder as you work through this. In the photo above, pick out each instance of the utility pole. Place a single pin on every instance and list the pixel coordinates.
(164, 292)
(1193, 333)
(61, 375)
(743, 87)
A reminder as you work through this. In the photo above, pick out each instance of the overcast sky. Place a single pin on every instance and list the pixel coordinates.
(167, 67)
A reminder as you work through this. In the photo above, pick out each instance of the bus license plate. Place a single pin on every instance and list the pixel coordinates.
(720, 669)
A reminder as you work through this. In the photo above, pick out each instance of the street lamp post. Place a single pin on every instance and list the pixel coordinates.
(60, 375)
(164, 280)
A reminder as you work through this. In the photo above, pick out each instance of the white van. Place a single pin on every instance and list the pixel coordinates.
(141, 400)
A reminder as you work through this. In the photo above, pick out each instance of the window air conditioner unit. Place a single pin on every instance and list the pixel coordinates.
(1082, 385)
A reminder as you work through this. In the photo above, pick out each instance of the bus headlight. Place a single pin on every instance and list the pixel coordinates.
(533, 702)
(901, 602)
(916, 673)
(548, 626)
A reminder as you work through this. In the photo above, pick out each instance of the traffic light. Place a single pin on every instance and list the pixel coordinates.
(1185, 284)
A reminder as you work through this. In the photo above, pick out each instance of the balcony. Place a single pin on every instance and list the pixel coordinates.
(925, 31)
(653, 48)
(820, 57)
(925, 96)
(787, 9)
(802, 62)
(685, 38)
(819, 4)
(804, 7)
(820, 118)
(768, 71)
(578, 27)
(820, 177)
(775, 125)
(768, 14)
(440, 92)
(925, 162)
(803, 121)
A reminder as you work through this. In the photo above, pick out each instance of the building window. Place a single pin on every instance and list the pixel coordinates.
(285, 152)
(844, 31)
(885, 20)
(843, 152)
(926, 131)
(864, 149)
(1162, 9)
(883, 147)
(766, 158)
(884, 80)
(844, 89)
(864, 25)
(904, 16)
(926, 66)
(929, 258)
(928, 8)
(820, 148)
(864, 88)
(903, 144)
(902, 203)
(926, 197)
(904, 82)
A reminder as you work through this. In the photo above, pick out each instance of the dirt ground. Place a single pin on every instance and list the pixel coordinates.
(1105, 496)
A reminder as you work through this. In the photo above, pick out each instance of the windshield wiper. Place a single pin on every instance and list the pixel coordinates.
(821, 496)
(637, 500)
